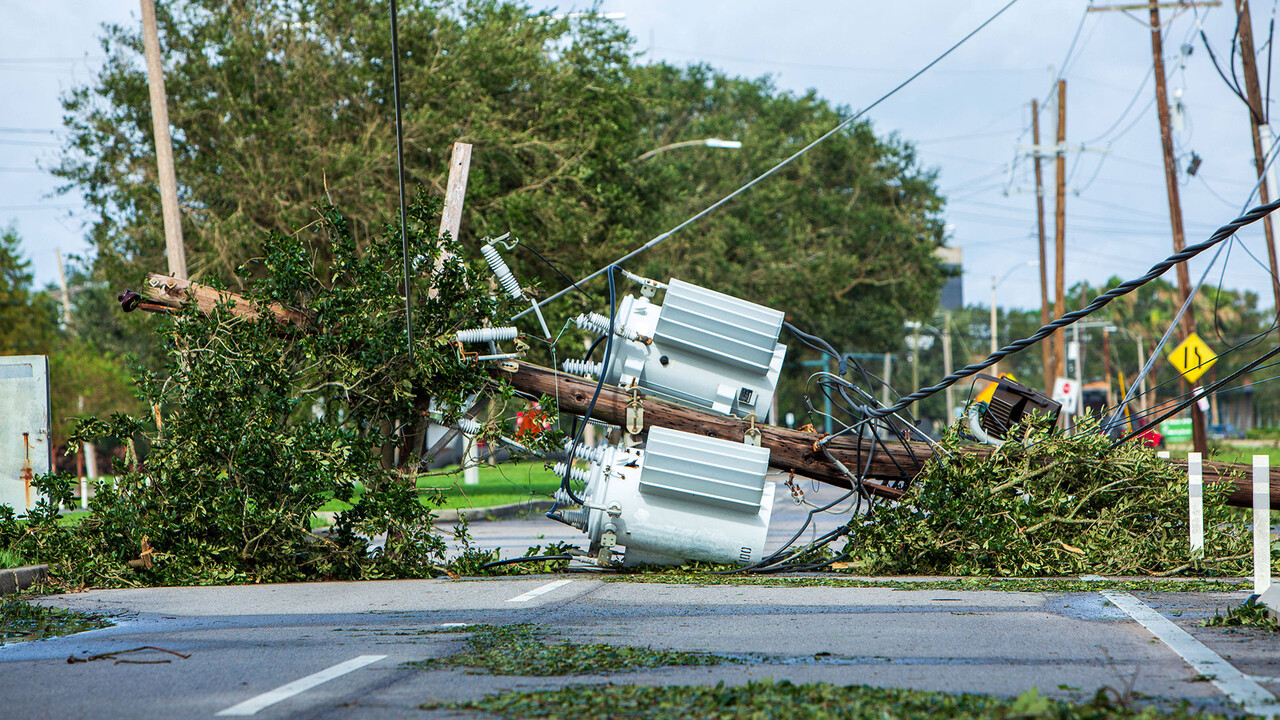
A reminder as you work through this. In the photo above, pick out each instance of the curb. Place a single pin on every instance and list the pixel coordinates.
(19, 579)
(498, 512)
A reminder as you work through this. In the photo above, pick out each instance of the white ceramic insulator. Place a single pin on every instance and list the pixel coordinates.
(469, 426)
(599, 324)
(489, 334)
(501, 271)
(585, 452)
(575, 473)
(583, 367)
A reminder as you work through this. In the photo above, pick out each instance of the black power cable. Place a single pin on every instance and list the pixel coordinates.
(1221, 234)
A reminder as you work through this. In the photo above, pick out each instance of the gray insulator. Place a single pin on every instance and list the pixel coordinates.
(469, 426)
(975, 427)
(585, 368)
(490, 334)
(501, 271)
(575, 473)
(573, 518)
(599, 324)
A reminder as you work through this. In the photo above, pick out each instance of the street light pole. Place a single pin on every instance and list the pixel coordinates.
(705, 142)
(995, 343)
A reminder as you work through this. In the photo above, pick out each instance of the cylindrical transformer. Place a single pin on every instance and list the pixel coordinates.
(708, 349)
(683, 497)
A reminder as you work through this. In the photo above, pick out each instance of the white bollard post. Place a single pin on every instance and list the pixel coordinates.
(471, 461)
(84, 493)
(1261, 524)
(1195, 498)
(1162, 454)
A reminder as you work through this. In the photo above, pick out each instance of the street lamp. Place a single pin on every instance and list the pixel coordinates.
(708, 142)
(995, 369)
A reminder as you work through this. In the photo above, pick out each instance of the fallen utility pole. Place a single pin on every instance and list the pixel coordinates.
(790, 450)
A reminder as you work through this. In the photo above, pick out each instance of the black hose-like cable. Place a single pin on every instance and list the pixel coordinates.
(531, 558)
(1098, 303)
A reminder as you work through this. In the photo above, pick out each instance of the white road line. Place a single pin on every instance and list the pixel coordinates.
(540, 591)
(284, 692)
(1237, 686)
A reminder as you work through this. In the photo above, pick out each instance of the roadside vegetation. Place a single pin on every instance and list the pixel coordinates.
(1250, 614)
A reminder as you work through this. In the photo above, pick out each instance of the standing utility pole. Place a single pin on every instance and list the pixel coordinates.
(1046, 349)
(1198, 436)
(174, 249)
(1060, 228)
(1258, 126)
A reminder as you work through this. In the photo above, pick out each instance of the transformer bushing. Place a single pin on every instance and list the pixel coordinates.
(700, 348)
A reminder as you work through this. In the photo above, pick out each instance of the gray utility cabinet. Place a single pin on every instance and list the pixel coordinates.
(24, 428)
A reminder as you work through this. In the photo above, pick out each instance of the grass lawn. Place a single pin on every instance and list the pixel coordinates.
(501, 485)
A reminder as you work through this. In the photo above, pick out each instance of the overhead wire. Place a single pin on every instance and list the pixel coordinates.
(783, 163)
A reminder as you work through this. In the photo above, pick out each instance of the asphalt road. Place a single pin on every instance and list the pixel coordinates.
(248, 642)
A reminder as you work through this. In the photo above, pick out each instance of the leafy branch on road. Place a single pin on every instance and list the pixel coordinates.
(1251, 614)
(783, 700)
(522, 650)
(254, 426)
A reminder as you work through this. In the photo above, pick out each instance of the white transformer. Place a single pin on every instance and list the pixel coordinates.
(700, 348)
(682, 497)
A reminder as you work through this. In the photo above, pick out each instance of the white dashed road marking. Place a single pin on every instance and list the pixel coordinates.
(543, 590)
(284, 692)
(1237, 686)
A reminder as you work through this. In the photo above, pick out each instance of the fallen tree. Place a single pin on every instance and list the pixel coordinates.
(791, 450)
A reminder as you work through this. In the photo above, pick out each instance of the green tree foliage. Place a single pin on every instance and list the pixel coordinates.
(27, 319)
(274, 104)
(253, 426)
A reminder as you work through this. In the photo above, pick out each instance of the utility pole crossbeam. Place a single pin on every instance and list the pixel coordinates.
(1198, 435)
(174, 248)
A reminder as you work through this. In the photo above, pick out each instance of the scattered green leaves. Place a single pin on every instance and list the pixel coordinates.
(1251, 614)
(521, 650)
(786, 701)
(1049, 504)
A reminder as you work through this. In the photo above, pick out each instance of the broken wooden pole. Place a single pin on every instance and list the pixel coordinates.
(791, 450)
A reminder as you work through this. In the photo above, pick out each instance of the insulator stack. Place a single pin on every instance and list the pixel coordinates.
(585, 452)
(489, 334)
(469, 426)
(599, 324)
(575, 473)
(585, 368)
(500, 269)
(575, 518)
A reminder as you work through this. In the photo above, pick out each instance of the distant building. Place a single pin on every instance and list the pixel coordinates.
(952, 258)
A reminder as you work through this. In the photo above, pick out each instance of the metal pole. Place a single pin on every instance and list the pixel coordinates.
(995, 346)
(946, 368)
(404, 220)
(174, 248)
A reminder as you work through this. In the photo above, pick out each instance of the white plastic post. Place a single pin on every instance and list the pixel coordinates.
(1162, 454)
(1261, 524)
(471, 461)
(1195, 497)
(84, 493)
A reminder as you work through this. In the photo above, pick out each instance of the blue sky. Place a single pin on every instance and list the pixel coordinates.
(966, 116)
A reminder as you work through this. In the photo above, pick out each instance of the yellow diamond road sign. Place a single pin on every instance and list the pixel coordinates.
(1193, 358)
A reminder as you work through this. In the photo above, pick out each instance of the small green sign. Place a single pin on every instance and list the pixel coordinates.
(1177, 430)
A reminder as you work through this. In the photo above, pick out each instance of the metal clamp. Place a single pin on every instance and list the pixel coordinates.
(635, 413)
(752, 435)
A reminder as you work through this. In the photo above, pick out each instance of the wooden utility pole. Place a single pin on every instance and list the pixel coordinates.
(1257, 121)
(455, 195)
(1046, 348)
(174, 249)
(1060, 231)
(789, 449)
(1198, 436)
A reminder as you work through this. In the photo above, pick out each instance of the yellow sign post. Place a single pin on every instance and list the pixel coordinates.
(1193, 358)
